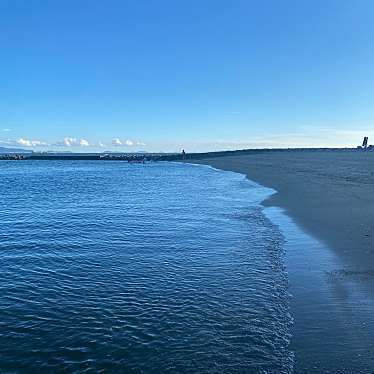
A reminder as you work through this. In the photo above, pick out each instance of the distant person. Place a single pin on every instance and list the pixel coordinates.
(183, 154)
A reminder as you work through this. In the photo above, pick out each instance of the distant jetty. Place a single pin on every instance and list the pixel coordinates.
(129, 157)
(144, 157)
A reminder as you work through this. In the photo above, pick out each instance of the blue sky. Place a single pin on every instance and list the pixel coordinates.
(197, 74)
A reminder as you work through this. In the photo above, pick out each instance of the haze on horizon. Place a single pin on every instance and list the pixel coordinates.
(201, 75)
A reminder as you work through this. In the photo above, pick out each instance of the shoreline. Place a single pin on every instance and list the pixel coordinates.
(331, 310)
(329, 194)
(330, 279)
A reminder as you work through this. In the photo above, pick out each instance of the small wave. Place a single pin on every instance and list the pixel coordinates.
(171, 268)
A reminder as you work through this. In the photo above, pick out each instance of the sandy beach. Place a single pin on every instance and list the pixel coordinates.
(330, 196)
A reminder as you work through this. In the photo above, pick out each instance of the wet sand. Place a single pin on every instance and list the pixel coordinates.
(330, 195)
(331, 306)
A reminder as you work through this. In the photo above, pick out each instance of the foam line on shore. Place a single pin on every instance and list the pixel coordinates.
(331, 327)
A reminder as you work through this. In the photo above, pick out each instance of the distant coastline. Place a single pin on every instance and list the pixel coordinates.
(21, 154)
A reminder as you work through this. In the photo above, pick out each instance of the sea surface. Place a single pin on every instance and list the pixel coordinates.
(139, 268)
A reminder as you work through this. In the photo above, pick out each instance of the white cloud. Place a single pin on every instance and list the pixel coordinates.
(69, 142)
(39, 143)
(73, 142)
(30, 143)
(6, 130)
(24, 142)
(116, 141)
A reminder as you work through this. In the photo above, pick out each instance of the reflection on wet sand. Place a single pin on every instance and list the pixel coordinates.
(332, 304)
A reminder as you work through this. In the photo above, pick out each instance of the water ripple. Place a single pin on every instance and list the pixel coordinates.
(107, 267)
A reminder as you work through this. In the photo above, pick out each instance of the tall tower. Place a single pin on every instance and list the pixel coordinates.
(365, 142)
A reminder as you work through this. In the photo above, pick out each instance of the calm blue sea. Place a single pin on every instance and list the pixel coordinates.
(132, 268)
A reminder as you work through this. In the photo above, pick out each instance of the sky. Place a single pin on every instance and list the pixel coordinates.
(90, 75)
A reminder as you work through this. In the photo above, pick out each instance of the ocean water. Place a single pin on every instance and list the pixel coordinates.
(154, 268)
